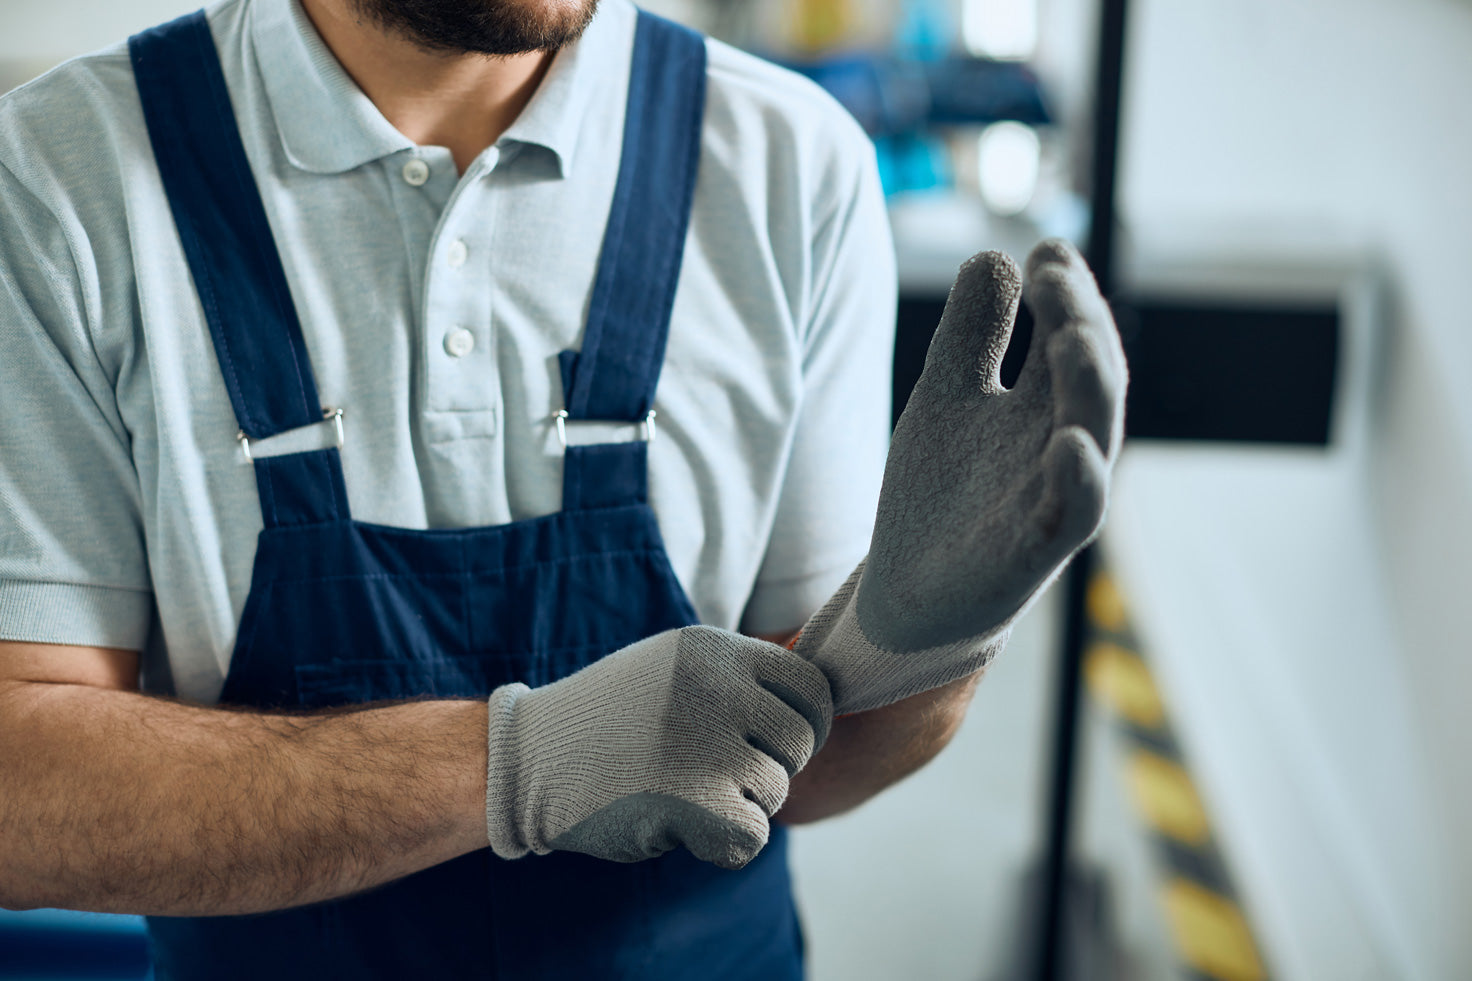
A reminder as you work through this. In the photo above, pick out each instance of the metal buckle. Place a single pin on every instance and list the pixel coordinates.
(327, 413)
(560, 417)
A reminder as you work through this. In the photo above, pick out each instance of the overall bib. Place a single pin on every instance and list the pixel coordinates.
(342, 612)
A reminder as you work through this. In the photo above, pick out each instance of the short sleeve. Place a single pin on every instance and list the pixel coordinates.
(825, 513)
(72, 560)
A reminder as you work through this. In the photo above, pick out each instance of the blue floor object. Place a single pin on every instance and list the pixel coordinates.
(45, 944)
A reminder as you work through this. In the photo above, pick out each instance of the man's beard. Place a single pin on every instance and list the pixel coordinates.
(492, 27)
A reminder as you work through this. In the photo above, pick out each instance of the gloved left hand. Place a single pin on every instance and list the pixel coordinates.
(688, 737)
(987, 491)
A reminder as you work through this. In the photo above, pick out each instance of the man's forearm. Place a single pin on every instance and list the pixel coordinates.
(119, 802)
(868, 752)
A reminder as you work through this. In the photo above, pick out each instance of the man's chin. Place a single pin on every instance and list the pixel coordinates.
(489, 27)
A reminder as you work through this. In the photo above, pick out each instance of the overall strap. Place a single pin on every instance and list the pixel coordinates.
(232, 257)
(615, 374)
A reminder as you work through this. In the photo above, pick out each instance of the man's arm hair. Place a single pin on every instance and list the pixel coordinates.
(115, 801)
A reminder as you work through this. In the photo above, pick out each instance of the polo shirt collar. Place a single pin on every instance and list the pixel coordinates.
(581, 74)
(329, 126)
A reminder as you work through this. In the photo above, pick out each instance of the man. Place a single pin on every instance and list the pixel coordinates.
(547, 337)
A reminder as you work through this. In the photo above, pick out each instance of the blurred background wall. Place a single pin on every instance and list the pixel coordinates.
(34, 36)
(1253, 122)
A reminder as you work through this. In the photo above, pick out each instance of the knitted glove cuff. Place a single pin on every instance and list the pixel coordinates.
(502, 769)
(865, 676)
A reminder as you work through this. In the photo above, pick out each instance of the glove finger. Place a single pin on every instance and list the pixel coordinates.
(1059, 286)
(1086, 392)
(780, 731)
(1081, 301)
(729, 836)
(965, 355)
(1060, 291)
(763, 780)
(801, 685)
(1075, 492)
(717, 824)
(726, 828)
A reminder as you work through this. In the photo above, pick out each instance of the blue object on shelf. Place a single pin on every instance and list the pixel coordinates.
(979, 90)
(912, 162)
(891, 96)
(45, 944)
(926, 30)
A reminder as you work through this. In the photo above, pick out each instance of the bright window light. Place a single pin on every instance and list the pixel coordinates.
(1007, 162)
(1000, 28)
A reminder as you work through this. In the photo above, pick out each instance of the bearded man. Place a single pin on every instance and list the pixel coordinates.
(405, 404)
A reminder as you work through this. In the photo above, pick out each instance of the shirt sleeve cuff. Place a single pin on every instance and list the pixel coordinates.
(783, 605)
(66, 613)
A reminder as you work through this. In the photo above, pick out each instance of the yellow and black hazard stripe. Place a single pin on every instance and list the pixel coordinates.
(1212, 936)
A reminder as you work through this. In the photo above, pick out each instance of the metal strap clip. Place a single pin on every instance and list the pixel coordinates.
(335, 415)
(561, 417)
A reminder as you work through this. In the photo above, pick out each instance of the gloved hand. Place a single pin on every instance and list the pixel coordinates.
(685, 738)
(987, 491)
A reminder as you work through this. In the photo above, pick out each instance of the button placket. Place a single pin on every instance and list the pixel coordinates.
(457, 253)
(459, 342)
(458, 318)
(415, 172)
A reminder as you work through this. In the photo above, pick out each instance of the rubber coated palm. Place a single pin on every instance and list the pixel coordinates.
(987, 490)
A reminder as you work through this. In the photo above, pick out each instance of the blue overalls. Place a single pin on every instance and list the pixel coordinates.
(343, 612)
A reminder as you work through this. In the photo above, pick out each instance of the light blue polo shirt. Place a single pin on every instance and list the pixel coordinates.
(434, 306)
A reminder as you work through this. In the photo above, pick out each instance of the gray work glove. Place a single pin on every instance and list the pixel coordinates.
(685, 738)
(987, 491)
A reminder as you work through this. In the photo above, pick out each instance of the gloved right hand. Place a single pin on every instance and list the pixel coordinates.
(988, 491)
(684, 738)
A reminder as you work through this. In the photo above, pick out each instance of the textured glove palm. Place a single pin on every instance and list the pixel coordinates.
(987, 491)
(685, 738)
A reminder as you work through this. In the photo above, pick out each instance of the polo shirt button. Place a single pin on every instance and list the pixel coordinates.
(459, 342)
(456, 254)
(416, 172)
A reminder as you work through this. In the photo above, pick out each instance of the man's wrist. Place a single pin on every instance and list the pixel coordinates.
(871, 751)
(866, 675)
